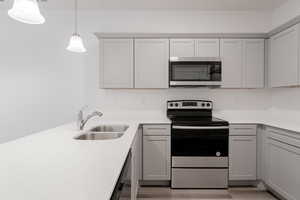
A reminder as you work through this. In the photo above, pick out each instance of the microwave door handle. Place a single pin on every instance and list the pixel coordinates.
(200, 127)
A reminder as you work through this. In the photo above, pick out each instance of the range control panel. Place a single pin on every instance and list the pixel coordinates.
(190, 104)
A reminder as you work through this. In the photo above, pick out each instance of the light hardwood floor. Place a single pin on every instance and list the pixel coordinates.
(163, 193)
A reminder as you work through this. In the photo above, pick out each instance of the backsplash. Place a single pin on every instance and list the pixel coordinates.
(224, 99)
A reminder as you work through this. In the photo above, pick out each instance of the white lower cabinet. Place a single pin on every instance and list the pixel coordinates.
(136, 164)
(262, 173)
(157, 156)
(242, 158)
(242, 153)
(283, 163)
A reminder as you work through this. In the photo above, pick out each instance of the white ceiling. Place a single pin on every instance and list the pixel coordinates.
(205, 5)
(171, 4)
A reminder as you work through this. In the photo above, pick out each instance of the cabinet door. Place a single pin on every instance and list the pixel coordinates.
(262, 153)
(156, 158)
(242, 158)
(283, 169)
(254, 63)
(232, 63)
(116, 60)
(151, 63)
(182, 48)
(135, 171)
(284, 58)
(208, 48)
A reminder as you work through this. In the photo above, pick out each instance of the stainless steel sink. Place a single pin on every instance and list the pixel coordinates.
(103, 132)
(99, 136)
(110, 128)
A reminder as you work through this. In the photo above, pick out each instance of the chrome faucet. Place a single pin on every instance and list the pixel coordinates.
(81, 122)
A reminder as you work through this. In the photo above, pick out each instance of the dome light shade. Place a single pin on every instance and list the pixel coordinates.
(76, 44)
(26, 11)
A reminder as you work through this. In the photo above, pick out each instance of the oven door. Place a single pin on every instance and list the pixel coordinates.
(199, 141)
(194, 73)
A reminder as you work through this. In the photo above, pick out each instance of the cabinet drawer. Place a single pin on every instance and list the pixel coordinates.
(242, 129)
(157, 129)
(283, 136)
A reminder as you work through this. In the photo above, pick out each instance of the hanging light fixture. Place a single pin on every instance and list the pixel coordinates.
(26, 11)
(76, 43)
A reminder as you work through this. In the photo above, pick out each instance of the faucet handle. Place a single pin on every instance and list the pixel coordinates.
(80, 116)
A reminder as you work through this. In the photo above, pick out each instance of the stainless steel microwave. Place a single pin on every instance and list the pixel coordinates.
(195, 71)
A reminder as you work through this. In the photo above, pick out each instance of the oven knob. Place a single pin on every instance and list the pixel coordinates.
(176, 104)
(218, 154)
(203, 104)
(208, 104)
(171, 104)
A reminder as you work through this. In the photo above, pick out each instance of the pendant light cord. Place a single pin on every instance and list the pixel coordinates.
(76, 16)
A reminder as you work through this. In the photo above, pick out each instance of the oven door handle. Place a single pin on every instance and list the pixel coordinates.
(200, 127)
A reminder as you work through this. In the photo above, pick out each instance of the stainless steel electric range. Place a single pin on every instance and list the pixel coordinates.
(199, 145)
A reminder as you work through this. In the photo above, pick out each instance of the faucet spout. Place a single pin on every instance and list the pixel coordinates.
(82, 122)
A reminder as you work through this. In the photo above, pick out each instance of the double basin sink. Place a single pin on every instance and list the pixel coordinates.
(103, 132)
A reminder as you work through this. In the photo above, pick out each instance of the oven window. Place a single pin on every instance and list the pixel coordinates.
(189, 71)
(198, 143)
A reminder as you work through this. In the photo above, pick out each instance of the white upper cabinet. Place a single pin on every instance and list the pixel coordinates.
(243, 63)
(182, 48)
(232, 63)
(207, 47)
(195, 47)
(151, 63)
(284, 58)
(143, 63)
(116, 63)
(254, 63)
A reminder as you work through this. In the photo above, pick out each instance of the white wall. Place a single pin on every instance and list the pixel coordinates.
(41, 84)
(286, 99)
(286, 12)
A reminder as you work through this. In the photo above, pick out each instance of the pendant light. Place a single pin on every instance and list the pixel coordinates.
(26, 11)
(76, 43)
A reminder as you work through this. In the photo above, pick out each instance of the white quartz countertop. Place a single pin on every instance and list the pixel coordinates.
(51, 165)
(287, 121)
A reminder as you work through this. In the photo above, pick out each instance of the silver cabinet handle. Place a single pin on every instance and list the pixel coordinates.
(242, 140)
(156, 128)
(200, 127)
(243, 128)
